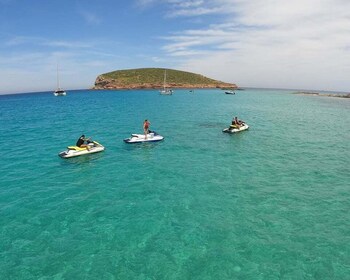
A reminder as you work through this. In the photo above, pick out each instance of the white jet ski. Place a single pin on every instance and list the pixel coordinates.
(74, 151)
(152, 136)
(235, 128)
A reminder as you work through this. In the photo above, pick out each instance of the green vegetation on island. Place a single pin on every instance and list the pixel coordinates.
(154, 78)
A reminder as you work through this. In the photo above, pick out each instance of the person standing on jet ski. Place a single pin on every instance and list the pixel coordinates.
(80, 142)
(146, 125)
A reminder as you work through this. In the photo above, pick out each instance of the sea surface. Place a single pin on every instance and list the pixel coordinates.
(272, 202)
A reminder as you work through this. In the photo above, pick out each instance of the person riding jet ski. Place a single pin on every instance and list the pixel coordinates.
(81, 142)
(237, 123)
(236, 126)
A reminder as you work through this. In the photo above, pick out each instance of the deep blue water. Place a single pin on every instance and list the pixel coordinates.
(272, 202)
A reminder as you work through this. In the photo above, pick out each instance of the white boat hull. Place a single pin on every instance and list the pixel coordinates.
(140, 138)
(60, 93)
(232, 129)
(166, 92)
(74, 151)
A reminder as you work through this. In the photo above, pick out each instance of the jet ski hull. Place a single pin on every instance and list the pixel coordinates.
(235, 129)
(140, 138)
(74, 151)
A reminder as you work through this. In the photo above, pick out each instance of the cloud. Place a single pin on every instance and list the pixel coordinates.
(260, 41)
(68, 44)
(179, 8)
(21, 40)
(40, 41)
(34, 60)
(90, 17)
(38, 70)
(194, 11)
(144, 4)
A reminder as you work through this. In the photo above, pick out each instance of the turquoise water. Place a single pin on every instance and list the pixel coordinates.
(268, 203)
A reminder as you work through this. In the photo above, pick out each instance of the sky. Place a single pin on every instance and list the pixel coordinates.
(299, 44)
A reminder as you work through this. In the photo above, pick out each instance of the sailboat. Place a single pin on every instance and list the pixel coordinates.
(165, 90)
(59, 91)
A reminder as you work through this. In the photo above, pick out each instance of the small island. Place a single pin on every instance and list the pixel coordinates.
(323, 94)
(153, 78)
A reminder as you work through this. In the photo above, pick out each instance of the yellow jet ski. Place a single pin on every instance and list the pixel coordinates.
(74, 151)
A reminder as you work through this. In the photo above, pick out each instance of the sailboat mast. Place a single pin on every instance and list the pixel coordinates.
(58, 80)
(164, 79)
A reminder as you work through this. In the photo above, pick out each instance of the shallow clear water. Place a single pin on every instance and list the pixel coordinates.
(268, 203)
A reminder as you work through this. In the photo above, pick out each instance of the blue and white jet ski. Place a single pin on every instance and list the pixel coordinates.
(74, 151)
(235, 128)
(152, 136)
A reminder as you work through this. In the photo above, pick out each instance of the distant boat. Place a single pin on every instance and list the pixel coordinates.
(165, 90)
(229, 92)
(59, 91)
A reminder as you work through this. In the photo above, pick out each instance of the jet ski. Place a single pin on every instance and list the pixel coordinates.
(235, 128)
(152, 136)
(74, 151)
